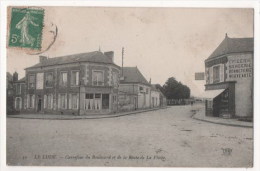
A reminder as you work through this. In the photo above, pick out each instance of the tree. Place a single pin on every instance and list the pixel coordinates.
(175, 90)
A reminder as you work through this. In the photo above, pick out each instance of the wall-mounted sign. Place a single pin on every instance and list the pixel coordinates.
(240, 67)
(199, 76)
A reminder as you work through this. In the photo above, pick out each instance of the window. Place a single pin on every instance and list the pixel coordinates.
(18, 103)
(75, 78)
(49, 101)
(39, 81)
(147, 90)
(141, 88)
(49, 79)
(216, 74)
(30, 101)
(98, 79)
(209, 104)
(62, 101)
(63, 78)
(31, 81)
(18, 88)
(73, 101)
(89, 101)
(115, 79)
(94, 101)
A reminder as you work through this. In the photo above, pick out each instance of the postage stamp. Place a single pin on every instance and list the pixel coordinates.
(26, 28)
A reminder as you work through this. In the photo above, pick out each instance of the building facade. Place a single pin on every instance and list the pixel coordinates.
(229, 79)
(79, 84)
(134, 90)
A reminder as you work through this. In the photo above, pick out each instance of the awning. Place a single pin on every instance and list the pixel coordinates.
(211, 94)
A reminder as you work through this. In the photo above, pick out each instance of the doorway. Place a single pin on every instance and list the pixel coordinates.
(39, 104)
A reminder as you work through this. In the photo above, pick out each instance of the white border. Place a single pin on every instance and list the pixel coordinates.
(134, 3)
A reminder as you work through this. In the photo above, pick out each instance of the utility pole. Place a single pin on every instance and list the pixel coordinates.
(122, 61)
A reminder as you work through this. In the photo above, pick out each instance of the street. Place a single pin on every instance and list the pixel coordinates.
(166, 137)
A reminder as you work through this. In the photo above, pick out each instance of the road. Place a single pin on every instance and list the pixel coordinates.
(167, 137)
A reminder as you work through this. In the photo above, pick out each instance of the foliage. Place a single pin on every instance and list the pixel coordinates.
(175, 90)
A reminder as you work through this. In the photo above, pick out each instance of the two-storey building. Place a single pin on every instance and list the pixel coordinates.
(134, 89)
(78, 84)
(229, 79)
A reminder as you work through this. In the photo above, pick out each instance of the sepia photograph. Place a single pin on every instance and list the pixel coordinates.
(96, 86)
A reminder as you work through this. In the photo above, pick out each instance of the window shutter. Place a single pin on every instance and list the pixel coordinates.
(45, 102)
(20, 107)
(70, 101)
(51, 101)
(66, 101)
(28, 101)
(15, 102)
(77, 78)
(33, 99)
(211, 75)
(77, 101)
(59, 101)
(221, 72)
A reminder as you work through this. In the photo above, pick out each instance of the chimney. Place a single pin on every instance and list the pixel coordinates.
(42, 58)
(15, 76)
(110, 55)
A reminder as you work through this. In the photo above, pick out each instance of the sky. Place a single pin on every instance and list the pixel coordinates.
(161, 42)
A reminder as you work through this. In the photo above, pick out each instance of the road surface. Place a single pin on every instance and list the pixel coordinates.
(167, 137)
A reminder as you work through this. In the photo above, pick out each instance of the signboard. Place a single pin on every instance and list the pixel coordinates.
(240, 67)
(39, 81)
(199, 76)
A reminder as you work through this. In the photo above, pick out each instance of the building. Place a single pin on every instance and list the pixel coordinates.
(134, 90)
(9, 93)
(79, 84)
(155, 97)
(19, 94)
(229, 79)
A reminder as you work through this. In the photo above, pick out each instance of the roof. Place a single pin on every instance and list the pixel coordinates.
(133, 75)
(95, 57)
(21, 80)
(233, 45)
(153, 88)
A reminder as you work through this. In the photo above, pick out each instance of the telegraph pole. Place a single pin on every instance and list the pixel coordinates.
(122, 61)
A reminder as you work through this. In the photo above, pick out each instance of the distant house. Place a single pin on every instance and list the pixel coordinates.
(229, 79)
(9, 93)
(19, 94)
(134, 89)
(78, 84)
(155, 96)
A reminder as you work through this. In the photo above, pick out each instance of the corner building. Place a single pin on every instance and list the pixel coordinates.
(78, 84)
(229, 79)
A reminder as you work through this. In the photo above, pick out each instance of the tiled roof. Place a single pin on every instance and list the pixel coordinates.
(96, 57)
(133, 75)
(233, 45)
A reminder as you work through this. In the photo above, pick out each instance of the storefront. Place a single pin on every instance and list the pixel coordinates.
(229, 79)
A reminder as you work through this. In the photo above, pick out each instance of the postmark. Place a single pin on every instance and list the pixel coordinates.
(26, 27)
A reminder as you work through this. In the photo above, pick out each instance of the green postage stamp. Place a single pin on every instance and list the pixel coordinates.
(26, 28)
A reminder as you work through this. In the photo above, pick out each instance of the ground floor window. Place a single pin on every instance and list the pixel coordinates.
(30, 101)
(48, 101)
(73, 101)
(96, 101)
(18, 103)
(62, 101)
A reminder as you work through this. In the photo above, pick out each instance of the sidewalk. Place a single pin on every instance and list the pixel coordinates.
(74, 117)
(199, 114)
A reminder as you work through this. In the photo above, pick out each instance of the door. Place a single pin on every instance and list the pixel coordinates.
(39, 106)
